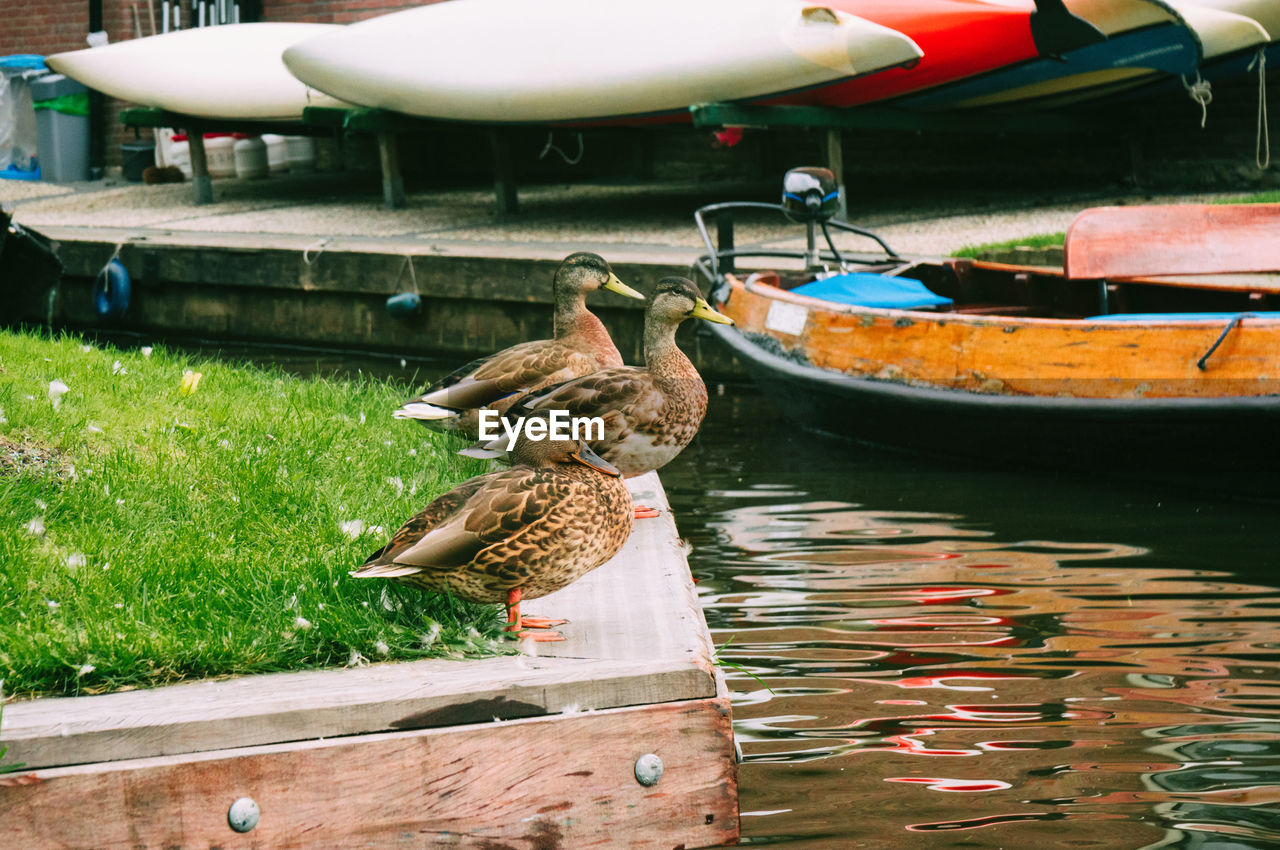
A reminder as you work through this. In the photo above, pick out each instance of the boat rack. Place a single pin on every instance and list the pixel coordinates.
(319, 121)
(835, 121)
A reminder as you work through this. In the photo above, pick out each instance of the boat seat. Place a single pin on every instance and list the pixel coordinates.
(863, 289)
(1183, 317)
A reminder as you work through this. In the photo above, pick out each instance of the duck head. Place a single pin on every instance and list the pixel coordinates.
(545, 453)
(677, 299)
(585, 272)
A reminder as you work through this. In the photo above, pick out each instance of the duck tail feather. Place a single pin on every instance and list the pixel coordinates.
(422, 410)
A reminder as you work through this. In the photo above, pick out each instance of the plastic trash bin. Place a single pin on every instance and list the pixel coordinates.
(62, 124)
(18, 142)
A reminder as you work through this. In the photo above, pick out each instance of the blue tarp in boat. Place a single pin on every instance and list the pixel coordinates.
(863, 289)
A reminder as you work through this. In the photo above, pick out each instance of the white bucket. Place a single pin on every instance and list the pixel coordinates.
(301, 152)
(277, 155)
(221, 154)
(179, 154)
(251, 158)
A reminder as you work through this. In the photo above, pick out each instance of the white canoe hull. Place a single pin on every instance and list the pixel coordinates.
(576, 60)
(230, 71)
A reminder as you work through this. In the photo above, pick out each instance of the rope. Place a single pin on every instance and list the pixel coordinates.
(114, 254)
(551, 146)
(1202, 363)
(413, 277)
(1262, 149)
(132, 237)
(1202, 93)
(319, 245)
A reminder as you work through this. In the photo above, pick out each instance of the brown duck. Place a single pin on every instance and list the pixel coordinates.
(650, 413)
(580, 345)
(559, 512)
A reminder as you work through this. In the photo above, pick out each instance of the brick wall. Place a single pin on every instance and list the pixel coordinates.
(332, 11)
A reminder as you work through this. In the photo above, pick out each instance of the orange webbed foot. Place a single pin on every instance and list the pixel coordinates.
(645, 512)
(541, 622)
(540, 637)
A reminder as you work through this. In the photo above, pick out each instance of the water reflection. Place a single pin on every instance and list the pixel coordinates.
(959, 657)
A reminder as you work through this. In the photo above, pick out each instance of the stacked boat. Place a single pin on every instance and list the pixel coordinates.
(584, 62)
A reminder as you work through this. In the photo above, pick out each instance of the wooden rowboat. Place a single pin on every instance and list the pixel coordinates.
(1160, 336)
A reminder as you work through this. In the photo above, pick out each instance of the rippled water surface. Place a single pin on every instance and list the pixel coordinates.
(936, 655)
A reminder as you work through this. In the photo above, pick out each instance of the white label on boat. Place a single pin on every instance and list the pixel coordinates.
(786, 318)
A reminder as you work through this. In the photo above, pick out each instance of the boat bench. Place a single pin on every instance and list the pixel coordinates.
(1227, 247)
(319, 121)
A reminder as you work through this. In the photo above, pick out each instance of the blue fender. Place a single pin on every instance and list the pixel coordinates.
(404, 304)
(111, 291)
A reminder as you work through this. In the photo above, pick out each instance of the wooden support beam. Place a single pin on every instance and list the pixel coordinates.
(545, 782)
(392, 182)
(835, 161)
(504, 182)
(201, 185)
(139, 116)
(886, 118)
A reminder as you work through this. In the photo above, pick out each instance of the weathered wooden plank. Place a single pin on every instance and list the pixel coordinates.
(1175, 239)
(277, 707)
(551, 782)
(641, 604)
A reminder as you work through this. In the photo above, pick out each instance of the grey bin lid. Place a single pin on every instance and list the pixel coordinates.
(54, 85)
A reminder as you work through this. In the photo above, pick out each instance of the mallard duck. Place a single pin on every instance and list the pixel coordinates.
(559, 512)
(580, 346)
(650, 413)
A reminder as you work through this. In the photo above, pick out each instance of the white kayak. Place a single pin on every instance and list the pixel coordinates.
(586, 60)
(231, 71)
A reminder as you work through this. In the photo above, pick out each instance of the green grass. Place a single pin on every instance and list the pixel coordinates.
(1039, 240)
(148, 536)
(1272, 197)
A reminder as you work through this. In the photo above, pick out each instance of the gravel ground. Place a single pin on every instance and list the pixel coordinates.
(653, 216)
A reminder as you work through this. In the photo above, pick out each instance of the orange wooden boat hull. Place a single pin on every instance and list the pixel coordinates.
(1015, 356)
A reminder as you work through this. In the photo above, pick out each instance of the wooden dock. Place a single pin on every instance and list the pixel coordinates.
(510, 752)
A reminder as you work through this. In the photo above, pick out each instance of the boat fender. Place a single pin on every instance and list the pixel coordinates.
(404, 304)
(111, 290)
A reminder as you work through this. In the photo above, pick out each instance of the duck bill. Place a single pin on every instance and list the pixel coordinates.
(703, 311)
(615, 285)
(586, 457)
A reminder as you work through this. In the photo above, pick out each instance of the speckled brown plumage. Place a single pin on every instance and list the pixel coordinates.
(538, 529)
(581, 345)
(650, 414)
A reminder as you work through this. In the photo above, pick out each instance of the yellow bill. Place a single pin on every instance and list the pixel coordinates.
(615, 285)
(703, 310)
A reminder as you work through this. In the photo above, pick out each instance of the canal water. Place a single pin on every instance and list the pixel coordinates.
(926, 654)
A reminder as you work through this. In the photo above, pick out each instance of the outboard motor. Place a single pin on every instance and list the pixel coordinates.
(810, 196)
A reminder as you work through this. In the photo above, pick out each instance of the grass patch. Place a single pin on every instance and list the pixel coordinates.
(147, 535)
(1039, 240)
(1272, 197)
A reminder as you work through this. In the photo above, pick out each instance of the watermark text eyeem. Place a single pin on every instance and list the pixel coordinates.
(556, 425)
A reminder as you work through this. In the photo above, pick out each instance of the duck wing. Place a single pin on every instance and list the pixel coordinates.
(383, 562)
(522, 367)
(455, 528)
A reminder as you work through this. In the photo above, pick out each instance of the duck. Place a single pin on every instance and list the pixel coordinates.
(649, 413)
(580, 345)
(559, 512)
